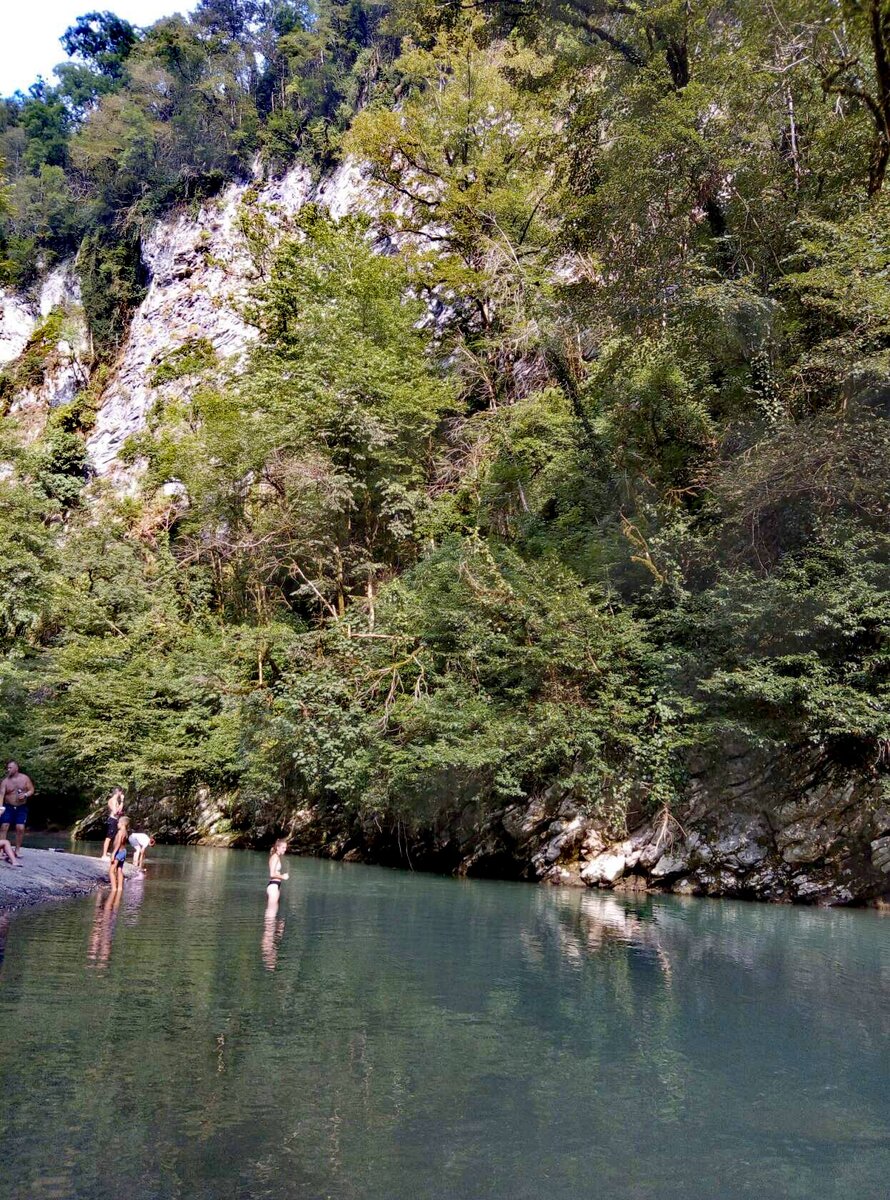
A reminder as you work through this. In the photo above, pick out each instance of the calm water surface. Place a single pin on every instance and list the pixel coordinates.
(393, 1036)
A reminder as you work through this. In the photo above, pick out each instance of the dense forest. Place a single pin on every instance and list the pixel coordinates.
(566, 463)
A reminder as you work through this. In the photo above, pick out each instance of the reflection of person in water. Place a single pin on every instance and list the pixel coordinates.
(4, 933)
(133, 895)
(102, 933)
(273, 931)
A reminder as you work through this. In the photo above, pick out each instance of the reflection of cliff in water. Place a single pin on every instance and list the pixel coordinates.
(715, 955)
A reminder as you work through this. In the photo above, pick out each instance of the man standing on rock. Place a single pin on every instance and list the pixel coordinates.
(16, 790)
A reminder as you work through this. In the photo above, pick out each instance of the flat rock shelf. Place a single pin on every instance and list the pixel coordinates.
(50, 875)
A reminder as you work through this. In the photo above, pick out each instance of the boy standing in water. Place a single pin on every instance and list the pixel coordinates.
(118, 856)
(15, 792)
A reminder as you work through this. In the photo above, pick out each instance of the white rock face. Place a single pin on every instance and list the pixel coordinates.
(16, 323)
(345, 191)
(60, 289)
(200, 275)
(201, 272)
(19, 314)
(63, 364)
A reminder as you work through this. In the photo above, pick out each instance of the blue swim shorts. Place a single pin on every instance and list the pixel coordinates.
(14, 814)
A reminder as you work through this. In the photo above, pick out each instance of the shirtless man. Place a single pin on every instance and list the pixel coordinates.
(15, 791)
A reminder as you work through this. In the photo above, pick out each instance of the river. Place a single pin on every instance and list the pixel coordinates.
(391, 1036)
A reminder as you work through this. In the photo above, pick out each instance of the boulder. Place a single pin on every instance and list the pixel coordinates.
(604, 869)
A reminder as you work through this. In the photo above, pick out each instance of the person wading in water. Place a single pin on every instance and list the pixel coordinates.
(276, 875)
(15, 792)
(272, 927)
(119, 856)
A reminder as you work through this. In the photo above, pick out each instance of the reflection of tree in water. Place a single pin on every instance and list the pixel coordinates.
(419, 1032)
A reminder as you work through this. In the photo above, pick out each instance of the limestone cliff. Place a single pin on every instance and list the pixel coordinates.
(200, 269)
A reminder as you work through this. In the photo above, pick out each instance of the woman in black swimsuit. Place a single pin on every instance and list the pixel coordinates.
(276, 875)
(273, 926)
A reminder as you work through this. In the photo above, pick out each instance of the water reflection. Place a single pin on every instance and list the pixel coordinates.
(273, 931)
(4, 933)
(590, 923)
(134, 894)
(102, 931)
(423, 1039)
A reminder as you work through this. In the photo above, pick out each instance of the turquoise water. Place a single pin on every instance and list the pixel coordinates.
(391, 1036)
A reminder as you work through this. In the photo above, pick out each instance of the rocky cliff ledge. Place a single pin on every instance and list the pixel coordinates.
(49, 875)
(752, 827)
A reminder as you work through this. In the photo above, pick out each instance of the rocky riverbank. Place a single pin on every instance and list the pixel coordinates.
(787, 828)
(49, 875)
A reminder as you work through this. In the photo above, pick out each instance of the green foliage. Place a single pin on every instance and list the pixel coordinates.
(842, 292)
(46, 125)
(41, 223)
(485, 678)
(102, 41)
(568, 459)
(333, 423)
(57, 464)
(112, 285)
(26, 558)
(144, 119)
(802, 654)
(325, 67)
(191, 358)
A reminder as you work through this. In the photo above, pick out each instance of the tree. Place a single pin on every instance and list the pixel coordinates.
(47, 127)
(305, 478)
(855, 64)
(230, 18)
(102, 41)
